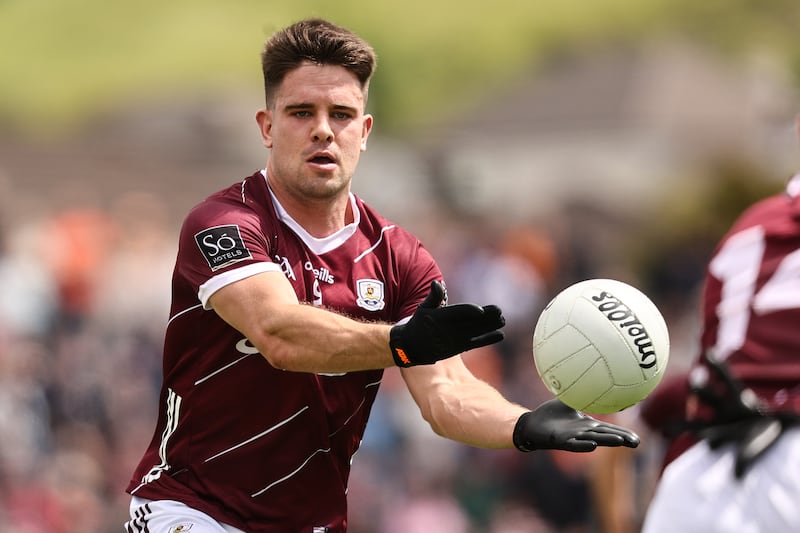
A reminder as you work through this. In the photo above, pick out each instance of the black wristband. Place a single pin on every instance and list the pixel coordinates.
(520, 442)
(401, 359)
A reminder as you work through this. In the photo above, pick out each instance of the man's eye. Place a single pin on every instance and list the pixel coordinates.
(341, 116)
(302, 113)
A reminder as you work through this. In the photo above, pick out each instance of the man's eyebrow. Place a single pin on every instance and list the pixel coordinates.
(305, 106)
(292, 107)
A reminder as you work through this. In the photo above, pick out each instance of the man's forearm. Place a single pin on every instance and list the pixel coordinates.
(461, 407)
(308, 339)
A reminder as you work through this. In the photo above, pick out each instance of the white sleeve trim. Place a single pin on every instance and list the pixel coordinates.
(226, 278)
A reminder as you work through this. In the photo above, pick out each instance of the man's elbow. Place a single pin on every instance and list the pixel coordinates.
(278, 354)
(438, 414)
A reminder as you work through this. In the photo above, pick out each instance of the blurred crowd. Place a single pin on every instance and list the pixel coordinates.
(83, 307)
(82, 312)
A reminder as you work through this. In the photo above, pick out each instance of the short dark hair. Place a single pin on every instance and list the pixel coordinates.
(318, 41)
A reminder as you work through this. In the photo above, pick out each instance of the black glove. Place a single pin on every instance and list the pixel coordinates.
(751, 437)
(556, 426)
(437, 332)
(740, 418)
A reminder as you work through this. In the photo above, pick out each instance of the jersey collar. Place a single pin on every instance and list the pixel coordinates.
(315, 244)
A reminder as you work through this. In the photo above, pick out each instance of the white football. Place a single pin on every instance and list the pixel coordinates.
(601, 346)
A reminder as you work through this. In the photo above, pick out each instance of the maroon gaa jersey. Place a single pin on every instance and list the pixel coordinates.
(255, 447)
(751, 299)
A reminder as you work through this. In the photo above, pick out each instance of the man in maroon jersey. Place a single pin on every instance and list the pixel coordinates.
(737, 467)
(289, 298)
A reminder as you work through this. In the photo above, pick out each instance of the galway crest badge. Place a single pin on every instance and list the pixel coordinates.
(370, 294)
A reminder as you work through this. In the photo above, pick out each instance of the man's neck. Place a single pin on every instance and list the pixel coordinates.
(319, 217)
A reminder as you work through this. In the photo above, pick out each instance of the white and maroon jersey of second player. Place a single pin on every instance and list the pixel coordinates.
(751, 300)
(253, 446)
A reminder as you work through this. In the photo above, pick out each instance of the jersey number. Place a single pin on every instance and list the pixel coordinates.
(737, 266)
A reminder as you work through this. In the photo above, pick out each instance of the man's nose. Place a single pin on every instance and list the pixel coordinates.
(322, 130)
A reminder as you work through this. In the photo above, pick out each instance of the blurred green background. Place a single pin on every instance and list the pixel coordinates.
(62, 61)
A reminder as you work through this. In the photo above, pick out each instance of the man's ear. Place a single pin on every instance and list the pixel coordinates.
(366, 128)
(264, 121)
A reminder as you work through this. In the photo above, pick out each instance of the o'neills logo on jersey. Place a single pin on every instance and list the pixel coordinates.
(370, 294)
(322, 273)
(621, 315)
(222, 246)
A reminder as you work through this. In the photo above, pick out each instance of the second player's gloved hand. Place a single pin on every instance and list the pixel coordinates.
(751, 438)
(740, 418)
(436, 332)
(556, 426)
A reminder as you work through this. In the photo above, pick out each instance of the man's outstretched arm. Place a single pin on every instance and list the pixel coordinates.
(461, 407)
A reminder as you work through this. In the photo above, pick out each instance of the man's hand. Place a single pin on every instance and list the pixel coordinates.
(553, 425)
(437, 332)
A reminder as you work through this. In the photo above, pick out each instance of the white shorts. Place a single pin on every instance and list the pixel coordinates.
(167, 516)
(699, 493)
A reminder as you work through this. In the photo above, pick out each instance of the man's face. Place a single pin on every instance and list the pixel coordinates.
(316, 131)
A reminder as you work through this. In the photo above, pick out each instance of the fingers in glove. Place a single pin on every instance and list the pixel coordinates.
(493, 313)
(460, 313)
(603, 439)
(471, 318)
(579, 445)
(486, 339)
(627, 437)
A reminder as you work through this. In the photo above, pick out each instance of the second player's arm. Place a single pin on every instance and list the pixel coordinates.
(296, 336)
